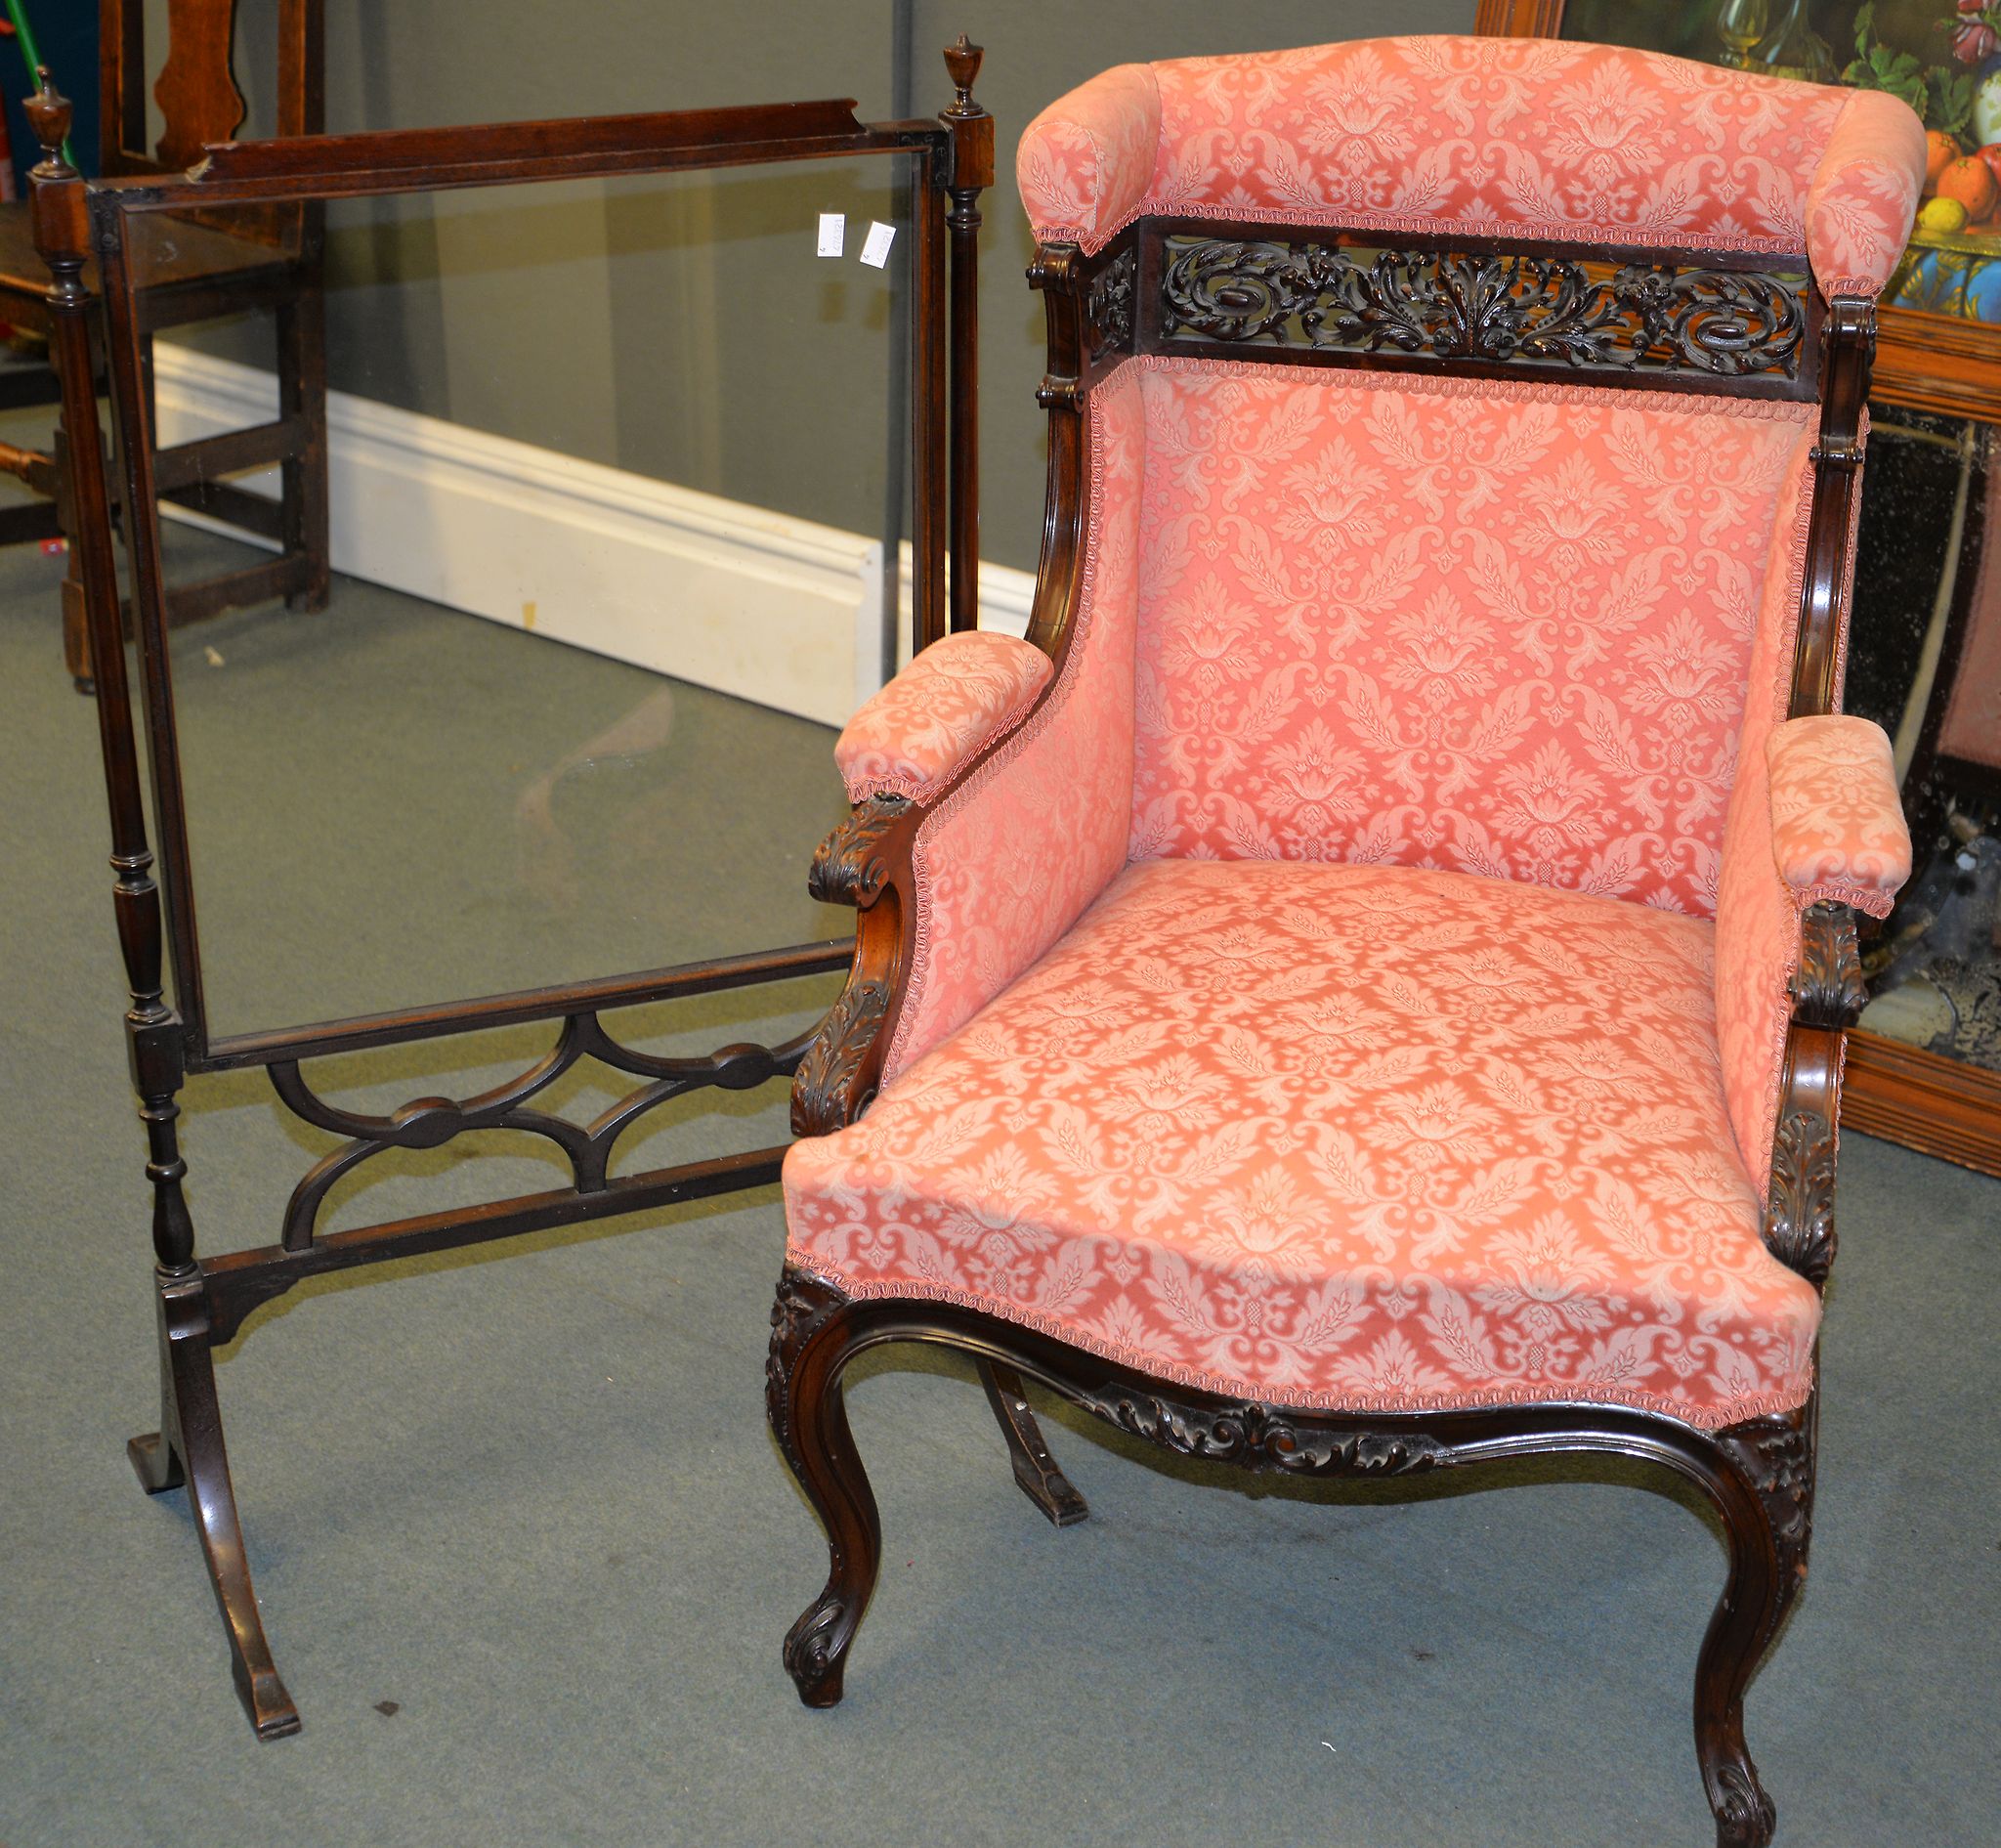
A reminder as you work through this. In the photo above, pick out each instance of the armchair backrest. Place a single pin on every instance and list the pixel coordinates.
(1495, 393)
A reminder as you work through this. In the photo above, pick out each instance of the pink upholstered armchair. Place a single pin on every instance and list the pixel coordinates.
(1360, 989)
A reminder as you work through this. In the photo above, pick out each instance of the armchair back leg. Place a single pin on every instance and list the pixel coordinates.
(809, 1349)
(1041, 1476)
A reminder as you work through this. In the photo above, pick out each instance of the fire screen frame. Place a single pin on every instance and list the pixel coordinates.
(202, 1302)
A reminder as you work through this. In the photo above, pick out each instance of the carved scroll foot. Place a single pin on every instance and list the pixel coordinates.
(809, 1418)
(187, 1449)
(1768, 1516)
(1040, 1477)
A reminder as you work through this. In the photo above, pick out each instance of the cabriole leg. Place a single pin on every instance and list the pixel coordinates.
(809, 1419)
(188, 1448)
(1768, 1518)
(1040, 1477)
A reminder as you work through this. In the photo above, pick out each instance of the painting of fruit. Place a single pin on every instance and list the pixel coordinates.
(1970, 182)
(1940, 56)
(1944, 57)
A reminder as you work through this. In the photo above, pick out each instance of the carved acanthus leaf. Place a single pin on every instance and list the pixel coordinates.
(1264, 1435)
(1745, 1817)
(1776, 1457)
(1799, 1209)
(1109, 313)
(1485, 306)
(824, 1090)
(850, 866)
(1827, 985)
(803, 1301)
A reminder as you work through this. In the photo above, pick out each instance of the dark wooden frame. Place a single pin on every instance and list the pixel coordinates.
(1952, 368)
(277, 267)
(1759, 1474)
(202, 1302)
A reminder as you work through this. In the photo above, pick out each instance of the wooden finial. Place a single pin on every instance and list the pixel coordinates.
(962, 65)
(48, 114)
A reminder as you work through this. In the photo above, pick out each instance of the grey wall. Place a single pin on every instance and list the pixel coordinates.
(684, 329)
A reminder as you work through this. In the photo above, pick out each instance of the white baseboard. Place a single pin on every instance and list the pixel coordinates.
(782, 611)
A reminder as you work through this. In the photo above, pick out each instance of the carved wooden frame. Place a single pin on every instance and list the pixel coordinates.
(1758, 1475)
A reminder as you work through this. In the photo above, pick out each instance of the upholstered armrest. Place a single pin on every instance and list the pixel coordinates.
(939, 714)
(1085, 163)
(993, 800)
(1838, 833)
(1863, 194)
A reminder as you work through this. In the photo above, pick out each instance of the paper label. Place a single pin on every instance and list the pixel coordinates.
(833, 230)
(876, 247)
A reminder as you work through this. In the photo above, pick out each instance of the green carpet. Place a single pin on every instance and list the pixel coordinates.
(525, 1549)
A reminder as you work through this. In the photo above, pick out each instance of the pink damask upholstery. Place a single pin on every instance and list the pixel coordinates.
(942, 711)
(1837, 831)
(1007, 862)
(1757, 922)
(1494, 627)
(1534, 136)
(1345, 1137)
(1216, 1056)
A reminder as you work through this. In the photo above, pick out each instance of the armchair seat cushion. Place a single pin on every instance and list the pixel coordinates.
(1343, 1136)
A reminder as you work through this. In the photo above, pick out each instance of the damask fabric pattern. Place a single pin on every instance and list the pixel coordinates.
(1011, 856)
(1354, 1138)
(1837, 831)
(1496, 628)
(1085, 162)
(946, 706)
(1535, 136)
(1756, 916)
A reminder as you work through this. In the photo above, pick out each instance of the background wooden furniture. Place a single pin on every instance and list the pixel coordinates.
(269, 260)
(202, 1302)
(1932, 363)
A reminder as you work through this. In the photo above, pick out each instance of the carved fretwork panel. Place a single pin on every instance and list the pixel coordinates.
(1108, 312)
(1661, 319)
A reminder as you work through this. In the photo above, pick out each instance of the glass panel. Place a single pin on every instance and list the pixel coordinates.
(608, 481)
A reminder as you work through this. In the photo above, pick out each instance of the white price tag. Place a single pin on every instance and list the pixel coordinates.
(876, 247)
(833, 230)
